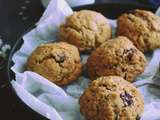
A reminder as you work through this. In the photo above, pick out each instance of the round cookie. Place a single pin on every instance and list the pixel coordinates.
(111, 98)
(58, 62)
(85, 29)
(116, 57)
(142, 28)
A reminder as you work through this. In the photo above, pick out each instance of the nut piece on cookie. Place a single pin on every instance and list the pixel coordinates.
(85, 29)
(58, 62)
(142, 28)
(116, 57)
(111, 98)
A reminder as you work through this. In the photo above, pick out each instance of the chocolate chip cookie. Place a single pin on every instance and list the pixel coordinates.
(142, 28)
(111, 98)
(58, 62)
(116, 57)
(85, 29)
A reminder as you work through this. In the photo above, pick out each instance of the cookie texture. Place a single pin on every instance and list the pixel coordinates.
(85, 29)
(116, 57)
(111, 98)
(58, 62)
(142, 28)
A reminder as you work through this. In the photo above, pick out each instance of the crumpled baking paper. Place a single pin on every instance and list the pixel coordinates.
(57, 103)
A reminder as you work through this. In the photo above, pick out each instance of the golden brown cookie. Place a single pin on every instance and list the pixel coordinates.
(116, 57)
(111, 98)
(85, 29)
(142, 28)
(58, 62)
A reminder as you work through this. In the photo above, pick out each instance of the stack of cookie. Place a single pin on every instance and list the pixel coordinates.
(112, 65)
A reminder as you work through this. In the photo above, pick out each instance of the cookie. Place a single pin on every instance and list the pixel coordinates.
(85, 29)
(111, 98)
(58, 62)
(142, 28)
(116, 57)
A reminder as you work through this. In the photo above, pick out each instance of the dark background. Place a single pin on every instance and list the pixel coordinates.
(16, 16)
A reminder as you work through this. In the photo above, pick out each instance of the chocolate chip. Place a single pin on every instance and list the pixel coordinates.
(138, 117)
(131, 50)
(127, 99)
(124, 69)
(60, 57)
(129, 53)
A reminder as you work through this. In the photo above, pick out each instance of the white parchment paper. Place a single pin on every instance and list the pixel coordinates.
(57, 103)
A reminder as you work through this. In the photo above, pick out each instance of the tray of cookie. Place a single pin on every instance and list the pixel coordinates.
(87, 66)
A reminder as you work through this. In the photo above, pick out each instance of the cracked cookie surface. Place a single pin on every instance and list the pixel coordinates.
(142, 28)
(111, 98)
(116, 57)
(58, 62)
(85, 29)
